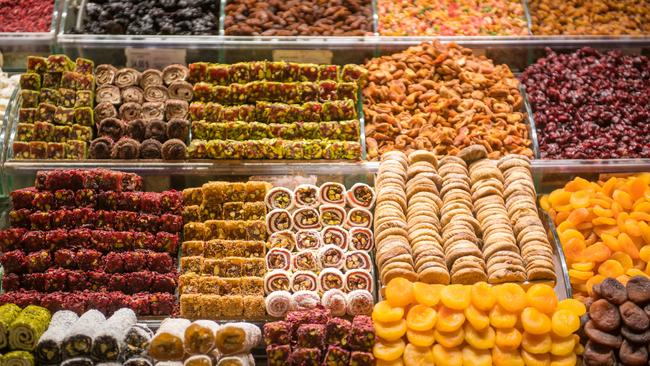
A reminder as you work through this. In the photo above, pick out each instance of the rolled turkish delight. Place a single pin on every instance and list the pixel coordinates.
(8, 313)
(335, 235)
(153, 110)
(198, 360)
(200, 337)
(332, 215)
(335, 301)
(278, 258)
(306, 195)
(175, 72)
(105, 74)
(174, 149)
(235, 338)
(331, 256)
(332, 193)
(167, 344)
(150, 149)
(306, 218)
(127, 77)
(108, 94)
(136, 341)
(133, 94)
(109, 340)
(304, 280)
(306, 260)
(78, 340)
(282, 239)
(330, 278)
(278, 303)
(279, 197)
(125, 148)
(359, 279)
(360, 302)
(358, 259)
(151, 77)
(181, 90)
(308, 239)
(361, 239)
(278, 220)
(276, 280)
(304, 300)
(359, 217)
(18, 358)
(361, 195)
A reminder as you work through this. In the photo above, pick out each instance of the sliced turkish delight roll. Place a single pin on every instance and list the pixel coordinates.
(305, 300)
(278, 258)
(278, 220)
(199, 337)
(335, 301)
(278, 303)
(167, 344)
(136, 341)
(237, 338)
(308, 239)
(359, 217)
(78, 340)
(335, 235)
(332, 193)
(330, 278)
(306, 260)
(358, 259)
(304, 280)
(360, 302)
(361, 239)
(279, 197)
(282, 239)
(48, 349)
(306, 218)
(359, 279)
(276, 280)
(108, 342)
(307, 195)
(361, 195)
(331, 256)
(332, 215)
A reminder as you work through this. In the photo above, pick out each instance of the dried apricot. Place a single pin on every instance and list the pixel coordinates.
(577, 216)
(580, 199)
(500, 318)
(570, 233)
(476, 357)
(562, 346)
(397, 362)
(596, 253)
(456, 296)
(628, 246)
(579, 276)
(566, 360)
(388, 351)
(624, 259)
(645, 233)
(427, 294)
(573, 249)
(594, 281)
(449, 320)
(386, 313)
(417, 356)
(565, 322)
(476, 318)
(536, 343)
(583, 266)
(559, 197)
(564, 226)
(390, 331)
(542, 297)
(483, 297)
(623, 198)
(511, 297)
(644, 253)
(420, 339)
(533, 359)
(577, 184)
(450, 339)
(506, 357)
(481, 339)
(574, 306)
(611, 268)
(399, 292)
(421, 318)
(534, 321)
(603, 221)
(601, 211)
(443, 356)
(507, 338)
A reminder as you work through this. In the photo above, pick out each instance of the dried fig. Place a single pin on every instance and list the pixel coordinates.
(634, 317)
(600, 337)
(598, 355)
(613, 291)
(632, 354)
(605, 315)
(635, 337)
(638, 290)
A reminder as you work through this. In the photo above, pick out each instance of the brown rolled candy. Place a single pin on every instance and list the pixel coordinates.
(174, 149)
(105, 74)
(331, 256)
(308, 239)
(279, 197)
(306, 218)
(332, 193)
(282, 239)
(331, 278)
(358, 217)
(306, 260)
(111, 127)
(78, 340)
(198, 360)
(132, 94)
(127, 77)
(335, 235)
(126, 149)
(358, 279)
(200, 337)
(153, 110)
(151, 77)
(361, 195)
(108, 340)
(105, 110)
(176, 109)
(167, 344)
(303, 280)
(178, 128)
(278, 303)
(278, 258)
(306, 195)
(361, 239)
(150, 149)
(136, 129)
(174, 72)
(108, 94)
(130, 111)
(332, 215)
(360, 302)
(357, 259)
(156, 93)
(279, 220)
(181, 90)
(156, 129)
(235, 338)
(101, 147)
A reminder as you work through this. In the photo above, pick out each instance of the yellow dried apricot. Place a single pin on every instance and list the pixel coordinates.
(421, 318)
(511, 297)
(580, 199)
(578, 216)
(610, 268)
(481, 339)
(583, 266)
(628, 246)
(570, 233)
(397, 362)
(534, 321)
(427, 294)
(559, 197)
(507, 338)
(573, 249)
(574, 306)
(594, 281)
(500, 318)
(386, 313)
(542, 297)
(476, 357)
(567, 360)
(449, 320)
(483, 297)
(456, 297)
(597, 252)
(623, 198)
(536, 343)
(562, 346)
(478, 319)
(506, 357)
(417, 356)
(388, 351)
(390, 331)
(399, 292)
(450, 339)
(532, 359)
(447, 356)
(420, 339)
(644, 253)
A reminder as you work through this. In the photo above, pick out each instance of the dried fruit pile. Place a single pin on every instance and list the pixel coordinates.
(223, 253)
(604, 228)
(463, 219)
(275, 110)
(451, 18)
(85, 239)
(591, 105)
(618, 324)
(312, 337)
(56, 116)
(476, 325)
(572, 17)
(442, 98)
(26, 15)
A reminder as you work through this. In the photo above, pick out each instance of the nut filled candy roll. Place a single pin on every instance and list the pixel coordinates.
(237, 360)
(359, 217)
(279, 197)
(308, 239)
(198, 360)
(306, 260)
(237, 338)
(332, 193)
(167, 344)
(200, 337)
(136, 341)
(306, 218)
(332, 215)
(278, 303)
(361, 195)
(358, 279)
(360, 302)
(304, 280)
(18, 358)
(331, 256)
(278, 258)
(357, 259)
(335, 235)
(361, 238)
(282, 239)
(331, 278)
(8, 313)
(108, 341)
(28, 327)
(335, 301)
(48, 349)
(278, 220)
(304, 300)
(78, 341)
(277, 280)
(306, 195)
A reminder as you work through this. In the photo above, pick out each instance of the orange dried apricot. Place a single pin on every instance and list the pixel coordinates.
(611, 242)
(542, 297)
(580, 199)
(610, 268)
(562, 346)
(420, 339)
(399, 292)
(603, 221)
(417, 356)
(544, 204)
(511, 297)
(631, 226)
(577, 184)
(507, 338)
(583, 266)
(427, 294)
(449, 320)
(390, 331)
(645, 232)
(579, 276)
(570, 233)
(532, 359)
(476, 357)
(578, 216)
(567, 360)
(456, 296)
(611, 230)
(506, 357)
(443, 356)
(559, 197)
(574, 306)
(386, 313)
(573, 249)
(609, 185)
(421, 318)
(388, 351)
(534, 321)
(397, 362)
(637, 187)
(597, 252)
(644, 253)
(602, 211)
(628, 246)
(594, 281)
(450, 339)
(478, 319)
(483, 297)
(500, 318)
(536, 343)
(623, 198)
(624, 259)
(636, 272)
(564, 226)
(481, 339)
(623, 279)
(564, 323)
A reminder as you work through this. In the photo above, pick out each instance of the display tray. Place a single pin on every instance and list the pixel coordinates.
(34, 38)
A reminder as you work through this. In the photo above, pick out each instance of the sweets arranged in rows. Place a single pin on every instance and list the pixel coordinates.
(141, 115)
(20, 329)
(84, 239)
(222, 261)
(461, 219)
(604, 229)
(56, 115)
(315, 338)
(478, 324)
